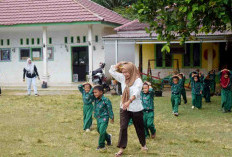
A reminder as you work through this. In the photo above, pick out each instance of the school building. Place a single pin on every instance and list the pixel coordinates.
(62, 37)
(206, 52)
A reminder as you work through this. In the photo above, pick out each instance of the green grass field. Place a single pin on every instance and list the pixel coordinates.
(52, 126)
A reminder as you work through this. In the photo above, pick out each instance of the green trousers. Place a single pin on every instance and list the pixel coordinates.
(148, 119)
(206, 93)
(87, 116)
(104, 136)
(197, 100)
(175, 99)
(183, 93)
(226, 99)
(212, 87)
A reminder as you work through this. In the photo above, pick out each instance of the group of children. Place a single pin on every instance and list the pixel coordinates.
(201, 87)
(103, 111)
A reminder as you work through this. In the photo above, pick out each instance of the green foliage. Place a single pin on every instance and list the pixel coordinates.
(126, 12)
(182, 19)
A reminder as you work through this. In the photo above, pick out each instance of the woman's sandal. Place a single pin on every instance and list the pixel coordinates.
(118, 154)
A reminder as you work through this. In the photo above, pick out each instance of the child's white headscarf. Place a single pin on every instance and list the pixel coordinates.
(30, 67)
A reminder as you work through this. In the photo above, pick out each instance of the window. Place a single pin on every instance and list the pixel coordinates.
(84, 39)
(65, 40)
(96, 38)
(8, 41)
(2, 42)
(72, 39)
(32, 41)
(50, 40)
(21, 41)
(50, 53)
(27, 41)
(159, 56)
(38, 41)
(168, 59)
(196, 55)
(36, 54)
(187, 55)
(24, 53)
(5, 54)
(78, 39)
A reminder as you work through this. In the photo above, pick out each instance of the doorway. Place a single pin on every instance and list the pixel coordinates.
(80, 63)
(225, 51)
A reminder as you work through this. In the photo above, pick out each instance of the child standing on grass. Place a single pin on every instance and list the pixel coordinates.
(212, 77)
(226, 91)
(183, 92)
(147, 97)
(102, 112)
(176, 87)
(206, 89)
(87, 96)
(197, 88)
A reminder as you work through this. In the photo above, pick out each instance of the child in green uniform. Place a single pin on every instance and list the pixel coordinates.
(176, 87)
(87, 96)
(226, 91)
(197, 88)
(147, 97)
(206, 89)
(102, 112)
(212, 77)
(183, 92)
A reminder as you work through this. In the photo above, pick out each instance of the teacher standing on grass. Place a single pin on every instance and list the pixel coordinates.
(131, 105)
(31, 73)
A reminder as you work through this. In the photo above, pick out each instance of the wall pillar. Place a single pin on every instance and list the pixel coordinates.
(90, 42)
(45, 76)
(210, 57)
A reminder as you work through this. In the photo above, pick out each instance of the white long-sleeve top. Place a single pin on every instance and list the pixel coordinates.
(135, 90)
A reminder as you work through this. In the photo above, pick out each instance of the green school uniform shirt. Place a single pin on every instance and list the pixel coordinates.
(176, 88)
(103, 109)
(148, 99)
(197, 87)
(87, 97)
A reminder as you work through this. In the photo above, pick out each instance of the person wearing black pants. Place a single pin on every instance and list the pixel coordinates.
(131, 105)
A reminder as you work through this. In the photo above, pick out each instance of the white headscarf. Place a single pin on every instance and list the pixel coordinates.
(30, 67)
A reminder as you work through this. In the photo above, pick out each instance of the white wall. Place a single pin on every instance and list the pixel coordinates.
(60, 68)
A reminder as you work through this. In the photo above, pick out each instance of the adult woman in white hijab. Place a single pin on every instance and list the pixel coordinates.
(30, 71)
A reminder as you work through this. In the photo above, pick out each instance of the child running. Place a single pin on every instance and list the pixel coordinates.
(147, 97)
(226, 91)
(197, 88)
(102, 112)
(87, 96)
(183, 91)
(176, 87)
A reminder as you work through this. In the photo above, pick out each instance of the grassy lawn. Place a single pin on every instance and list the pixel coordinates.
(52, 126)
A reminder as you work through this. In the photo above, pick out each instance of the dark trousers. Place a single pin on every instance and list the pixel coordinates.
(137, 118)
(0, 91)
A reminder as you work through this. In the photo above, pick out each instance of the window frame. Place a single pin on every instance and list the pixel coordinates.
(163, 59)
(41, 55)
(1, 55)
(22, 60)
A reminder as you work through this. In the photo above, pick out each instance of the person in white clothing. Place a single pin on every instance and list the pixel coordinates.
(30, 71)
(131, 104)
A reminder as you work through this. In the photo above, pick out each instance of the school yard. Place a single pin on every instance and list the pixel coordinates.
(51, 125)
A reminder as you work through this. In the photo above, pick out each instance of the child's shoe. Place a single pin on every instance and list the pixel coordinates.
(144, 148)
(153, 136)
(193, 107)
(87, 130)
(100, 148)
(109, 143)
(176, 114)
(36, 94)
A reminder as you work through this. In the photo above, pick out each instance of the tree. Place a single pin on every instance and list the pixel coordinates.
(111, 4)
(183, 19)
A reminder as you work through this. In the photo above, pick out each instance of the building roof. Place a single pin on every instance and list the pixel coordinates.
(134, 25)
(136, 30)
(14, 12)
